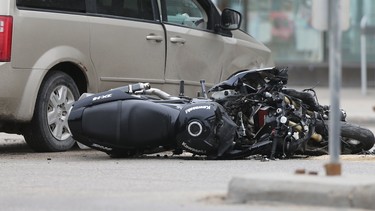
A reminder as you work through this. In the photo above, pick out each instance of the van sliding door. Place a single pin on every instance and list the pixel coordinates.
(127, 43)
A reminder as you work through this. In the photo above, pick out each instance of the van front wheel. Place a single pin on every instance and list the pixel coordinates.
(48, 130)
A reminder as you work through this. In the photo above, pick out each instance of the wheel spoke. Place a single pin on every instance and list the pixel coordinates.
(54, 100)
(52, 117)
(57, 132)
(68, 105)
(62, 92)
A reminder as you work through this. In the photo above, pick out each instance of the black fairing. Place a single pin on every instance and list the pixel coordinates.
(217, 129)
(237, 78)
(121, 121)
(253, 79)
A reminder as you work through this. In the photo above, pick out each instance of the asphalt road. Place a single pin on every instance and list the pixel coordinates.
(90, 180)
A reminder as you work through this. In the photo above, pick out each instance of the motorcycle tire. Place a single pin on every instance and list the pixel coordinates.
(355, 139)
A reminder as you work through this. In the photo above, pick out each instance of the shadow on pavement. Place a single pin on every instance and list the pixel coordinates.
(14, 146)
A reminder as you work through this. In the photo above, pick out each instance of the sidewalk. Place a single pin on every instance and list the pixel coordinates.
(337, 192)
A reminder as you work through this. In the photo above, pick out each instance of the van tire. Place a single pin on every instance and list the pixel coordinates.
(52, 134)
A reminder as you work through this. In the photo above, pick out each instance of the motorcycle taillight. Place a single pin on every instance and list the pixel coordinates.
(6, 27)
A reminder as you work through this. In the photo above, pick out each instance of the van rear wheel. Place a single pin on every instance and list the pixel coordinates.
(48, 131)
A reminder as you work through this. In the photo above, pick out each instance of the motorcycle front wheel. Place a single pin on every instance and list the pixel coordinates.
(355, 139)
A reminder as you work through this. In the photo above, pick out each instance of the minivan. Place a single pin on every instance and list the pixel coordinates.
(52, 51)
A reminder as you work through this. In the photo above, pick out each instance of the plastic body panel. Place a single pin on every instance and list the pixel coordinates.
(123, 122)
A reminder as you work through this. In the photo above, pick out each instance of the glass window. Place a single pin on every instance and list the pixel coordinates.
(140, 9)
(62, 5)
(186, 13)
(351, 39)
(285, 27)
(282, 25)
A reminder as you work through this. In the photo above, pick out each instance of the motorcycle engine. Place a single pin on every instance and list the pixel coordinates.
(205, 129)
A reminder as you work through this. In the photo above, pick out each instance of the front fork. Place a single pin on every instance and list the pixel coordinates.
(277, 136)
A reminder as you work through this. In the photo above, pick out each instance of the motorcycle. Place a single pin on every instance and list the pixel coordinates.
(250, 113)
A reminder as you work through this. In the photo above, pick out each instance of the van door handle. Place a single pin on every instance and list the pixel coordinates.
(177, 40)
(154, 37)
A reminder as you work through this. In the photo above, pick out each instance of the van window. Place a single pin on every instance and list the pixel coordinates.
(61, 5)
(187, 13)
(140, 9)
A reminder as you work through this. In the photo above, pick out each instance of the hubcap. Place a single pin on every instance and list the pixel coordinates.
(60, 101)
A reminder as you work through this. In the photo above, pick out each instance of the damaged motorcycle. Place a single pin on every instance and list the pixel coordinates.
(250, 113)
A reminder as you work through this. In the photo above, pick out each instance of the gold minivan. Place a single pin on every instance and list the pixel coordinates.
(51, 51)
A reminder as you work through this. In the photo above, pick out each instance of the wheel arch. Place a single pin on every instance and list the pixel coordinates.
(75, 71)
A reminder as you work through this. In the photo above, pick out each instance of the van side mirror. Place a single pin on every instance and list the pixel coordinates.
(230, 19)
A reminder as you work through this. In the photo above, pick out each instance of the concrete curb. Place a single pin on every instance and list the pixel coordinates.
(330, 191)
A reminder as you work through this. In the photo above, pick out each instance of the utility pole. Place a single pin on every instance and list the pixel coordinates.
(334, 18)
(245, 6)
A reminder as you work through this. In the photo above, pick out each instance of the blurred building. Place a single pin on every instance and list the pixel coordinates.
(285, 27)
